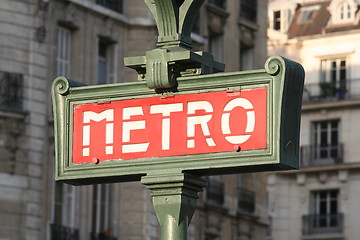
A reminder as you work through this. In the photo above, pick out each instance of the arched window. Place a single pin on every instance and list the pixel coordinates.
(345, 12)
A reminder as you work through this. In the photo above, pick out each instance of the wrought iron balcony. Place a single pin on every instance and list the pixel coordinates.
(59, 232)
(218, 3)
(314, 155)
(246, 200)
(11, 91)
(101, 236)
(324, 92)
(115, 5)
(323, 224)
(215, 192)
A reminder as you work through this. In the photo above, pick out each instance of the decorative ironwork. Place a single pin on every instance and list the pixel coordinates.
(246, 200)
(215, 192)
(115, 5)
(314, 155)
(59, 232)
(326, 91)
(11, 91)
(323, 224)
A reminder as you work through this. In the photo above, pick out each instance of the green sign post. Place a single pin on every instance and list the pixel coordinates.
(177, 123)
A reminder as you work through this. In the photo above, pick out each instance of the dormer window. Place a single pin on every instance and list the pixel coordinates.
(342, 11)
(345, 12)
(307, 13)
(306, 16)
(277, 20)
(281, 19)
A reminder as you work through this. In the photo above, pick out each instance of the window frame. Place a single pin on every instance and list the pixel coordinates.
(101, 209)
(345, 12)
(325, 139)
(248, 10)
(334, 71)
(105, 57)
(323, 216)
(277, 20)
(307, 14)
(63, 51)
(64, 205)
(113, 5)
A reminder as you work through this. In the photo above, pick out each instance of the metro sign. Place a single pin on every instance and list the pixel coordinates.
(178, 125)
(212, 124)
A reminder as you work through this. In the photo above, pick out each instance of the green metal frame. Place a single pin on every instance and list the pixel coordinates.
(174, 181)
(283, 78)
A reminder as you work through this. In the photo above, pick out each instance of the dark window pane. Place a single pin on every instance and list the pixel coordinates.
(277, 20)
(115, 5)
(248, 10)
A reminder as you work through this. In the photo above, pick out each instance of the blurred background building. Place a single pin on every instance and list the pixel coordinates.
(321, 200)
(86, 40)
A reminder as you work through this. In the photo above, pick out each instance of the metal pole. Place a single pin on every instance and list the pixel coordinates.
(174, 199)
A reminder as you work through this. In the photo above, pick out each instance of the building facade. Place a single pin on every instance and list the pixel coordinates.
(86, 40)
(320, 200)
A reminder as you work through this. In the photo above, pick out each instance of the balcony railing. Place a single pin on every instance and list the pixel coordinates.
(324, 92)
(246, 200)
(218, 3)
(323, 224)
(101, 236)
(11, 91)
(314, 155)
(59, 232)
(215, 192)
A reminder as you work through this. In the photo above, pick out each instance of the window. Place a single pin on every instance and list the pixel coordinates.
(308, 13)
(245, 197)
(215, 190)
(115, 5)
(63, 52)
(11, 91)
(216, 47)
(105, 62)
(281, 19)
(64, 213)
(306, 16)
(324, 217)
(101, 211)
(246, 57)
(325, 211)
(211, 237)
(326, 145)
(345, 12)
(333, 77)
(277, 20)
(248, 9)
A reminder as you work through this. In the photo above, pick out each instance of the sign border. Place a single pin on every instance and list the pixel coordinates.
(282, 77)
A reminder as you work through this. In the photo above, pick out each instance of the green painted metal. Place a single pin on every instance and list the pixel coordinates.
(283, 78)
(174, 198)
(174, 69)
(173, 58)
(174, 19)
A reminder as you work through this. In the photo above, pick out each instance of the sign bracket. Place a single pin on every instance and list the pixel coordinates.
(173, 56)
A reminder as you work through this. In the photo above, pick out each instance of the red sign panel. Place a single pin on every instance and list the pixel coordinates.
(177, 125)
